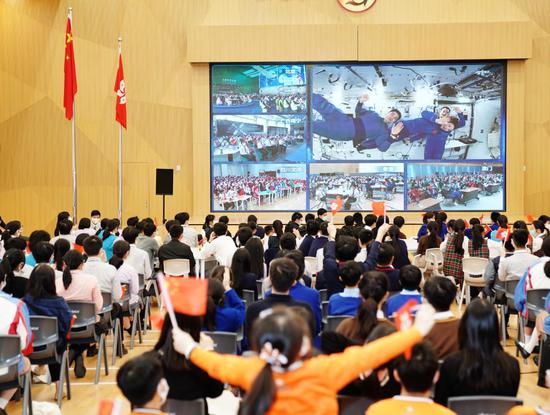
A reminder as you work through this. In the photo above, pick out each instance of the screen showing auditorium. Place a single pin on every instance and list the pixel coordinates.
(417, 136)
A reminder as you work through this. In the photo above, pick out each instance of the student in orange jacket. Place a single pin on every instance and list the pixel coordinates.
(283, 379)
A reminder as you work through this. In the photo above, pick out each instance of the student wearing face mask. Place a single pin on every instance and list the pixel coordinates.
(95, 219)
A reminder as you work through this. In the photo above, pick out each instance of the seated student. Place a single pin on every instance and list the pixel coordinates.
(243, 278)
(138, 258)
(274, 380)
(454, 249)
(401, 253)
(95, 265)
(347, 302)
(299, 291)
(472, 222)
(14, 320)
(502, 227)
(147, 242)
(540, 234)
(477, 244)
(221, 246)
(348, 228)
(312, 228)
(494, 224)
(410, 278)
(481, 366)
(187, 382)
(141, 381)
(225, 309)
(399, 221)
(65, 229)
(364, 237)
(374, 292)
(79, 242)
(175, 249)
(109, 237)
(320, 241)
(10, 267)
(168, 225)
(84, 227)
(429, 241)
(189, 233)
(259, 231)
(426, 218)
(370, 221)
(441, 219)
(514, 266)
(384, 264)
(440, 292)
(42, 300)
(417, 376)
(287, 242)
(34, 238)
(95, 219)
(124, 272)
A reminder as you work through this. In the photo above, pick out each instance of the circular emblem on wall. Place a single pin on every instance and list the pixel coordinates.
(356, 6)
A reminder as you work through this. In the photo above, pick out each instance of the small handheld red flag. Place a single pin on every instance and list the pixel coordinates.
(336, 205)
(120, 90)
(379, 208)
(109, 407)
(70, 87)
(481, 218)
(530, 218)
(404, 320)
(188, 295)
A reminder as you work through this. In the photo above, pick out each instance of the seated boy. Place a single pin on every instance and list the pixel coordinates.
(141, 381)
(347, 302)
(416, 375)
(410, 278)
(384, 262)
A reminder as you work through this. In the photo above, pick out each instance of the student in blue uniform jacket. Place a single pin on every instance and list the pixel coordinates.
(410, 277)
(347, 302)
(367, 129)
(226, 310)
(312, 229)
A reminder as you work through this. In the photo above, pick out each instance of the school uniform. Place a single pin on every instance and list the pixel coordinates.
(306, 244)
(345, 303)
(444, 334)
(230, 316)
(393, 276)
(106, 276)
(533, 278)
(410, 405)
(15, 320)
(395, 302)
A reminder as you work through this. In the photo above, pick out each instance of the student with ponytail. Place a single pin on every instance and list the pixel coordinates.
(429, 241)
(283, 378)
(60, 248)
(454, 248)
(10, 268)
(12, 229)
(226, 311)
(108, 236)
(541, 233)
(477, 246)
(401, 256)
(426, 218)
(75, 285)
(125, 273)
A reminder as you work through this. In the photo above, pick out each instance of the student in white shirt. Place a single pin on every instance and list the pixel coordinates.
(138, 258)
(95, 217)
(96, 265)
(84, 227)
(365, 236)
(190, 235)
(220, 246)
(65, 228)
(125, 273)
(540, 233)
(514, 266)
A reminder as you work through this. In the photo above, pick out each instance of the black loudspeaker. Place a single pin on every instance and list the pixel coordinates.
(165, 182)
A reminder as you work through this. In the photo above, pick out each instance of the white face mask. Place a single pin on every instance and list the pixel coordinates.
(95, 221)
(162, 390)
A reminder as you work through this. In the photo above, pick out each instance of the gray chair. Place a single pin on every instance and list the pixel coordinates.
(248, 297)
(224, 342)
(10, 354)
(83, 332)
(510, 288)
(324, 311)
(146, 303)
(323, 294)
(334, 321)
(46, 335)
(209, 265)
(353, 405)
(106, 313)
(260, 289)
(482, 405)
(177, 407)
(132, 310)
(535, 302)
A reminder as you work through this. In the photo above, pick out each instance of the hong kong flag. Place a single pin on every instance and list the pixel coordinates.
(120, 89)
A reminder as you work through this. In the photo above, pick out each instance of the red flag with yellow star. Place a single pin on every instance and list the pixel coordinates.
(70, 71)
(188, 295)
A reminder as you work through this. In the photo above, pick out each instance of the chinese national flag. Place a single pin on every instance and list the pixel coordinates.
(530, 218)
(188, 295)
(379, 208)
(70, 72)
(120, 89)
(404, 320)
(336, 205)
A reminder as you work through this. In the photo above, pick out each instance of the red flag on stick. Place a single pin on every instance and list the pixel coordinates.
(120, 89)
(379, 208)
(336, 205)
(70, 71)
(188, 295)
(530, 218)
(404, 320)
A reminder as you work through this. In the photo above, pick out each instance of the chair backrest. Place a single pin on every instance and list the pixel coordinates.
(353, 405)
(224, 342)
(324, 310)
(141, 279)
(209, 265)
(260, 288)
(10, 353)
(535, 301)
(107, 303)
(323, 294)
(248, 296)
(176, 267)
(177, 407)
(474, 265)
(311, 265)
(486, 405)
(334, 321)
(84, 325)
(434, 256)
(45, 336)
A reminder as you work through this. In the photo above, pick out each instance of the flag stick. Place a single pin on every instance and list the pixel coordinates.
(119, 152)
(73, 133)
(166, 299)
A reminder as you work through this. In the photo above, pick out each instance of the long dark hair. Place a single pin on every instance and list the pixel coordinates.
(207, 220)
(216, 297)
(256, 249)
(484, 363)
(240, 265)
(393, 233)
(284, 330)
(477, 237)
(61, 216)
(12, 258)
(373, 287)
(111, 225)
(42, 282)
(120, 248)
(539, 225)
(171, 359)
(72, 260)
(60, 248)
(11, 229)
(278, 228)
(433, 235)
(459, 227)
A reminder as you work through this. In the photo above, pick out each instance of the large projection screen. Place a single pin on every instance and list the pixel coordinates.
(419, 136)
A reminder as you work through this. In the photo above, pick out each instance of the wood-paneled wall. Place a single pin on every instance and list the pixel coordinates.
(168, 120)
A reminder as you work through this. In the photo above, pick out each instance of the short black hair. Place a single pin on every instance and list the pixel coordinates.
(348, 220)
(224, 219)
(149, 228)
(170, 223)
(346, 248)
(288, 241)
(244, 234)
(440, 293)
(65, 227)
(290, 226)
(312, 227)
(298, 258)
(182, 217)
(365, 236)
(399, 221)
(16, 243)
(350, 273)
(321, 212)
(132, 221)
(296, 216)
(252, 218)
(494, 216)
(417, 373)
(220, 228)
(130, 234)
(385, 254)
(309, 216)
(370, 219)
(283, 272)
(410, 277)
(397, 112)
(42, 252)
(520, 237)
(79, 240)
(358, 218)
(95, 212)
(38, 236)
(139, 377)
(92, 245)
(84, 223)
(176, 231)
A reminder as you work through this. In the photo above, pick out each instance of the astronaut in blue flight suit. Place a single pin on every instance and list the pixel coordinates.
(367, 129)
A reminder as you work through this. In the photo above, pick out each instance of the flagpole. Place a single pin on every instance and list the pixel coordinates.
(119, 152)
(73, 133)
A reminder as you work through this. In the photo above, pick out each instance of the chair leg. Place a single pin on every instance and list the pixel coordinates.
(105, 357)
(116, 336)
(27, 395)
(133, 335)
(461, 297)
(503, 322)
(159, 299)
(99, 357)
(146, 314)
(469, 296)
(139, 328)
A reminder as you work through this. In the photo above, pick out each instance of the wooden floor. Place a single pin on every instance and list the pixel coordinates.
(86, 395)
